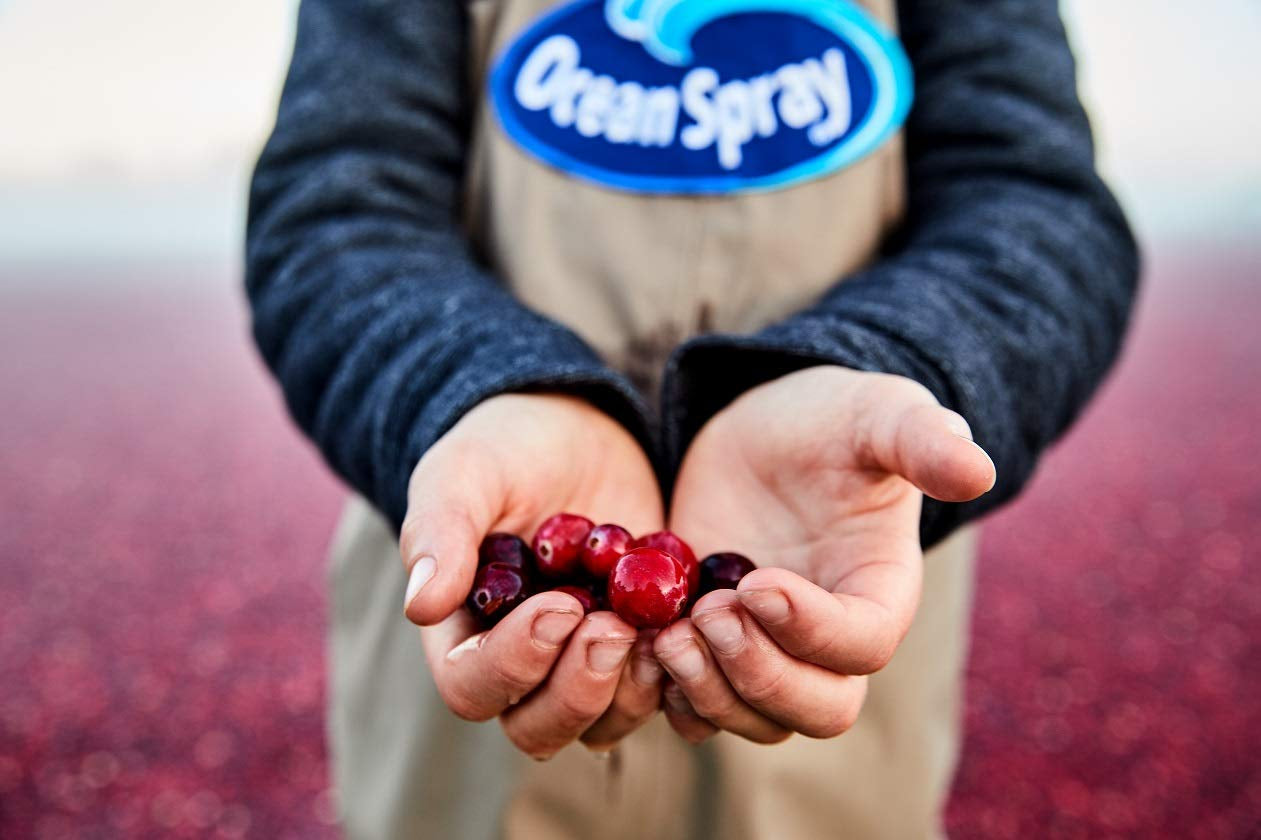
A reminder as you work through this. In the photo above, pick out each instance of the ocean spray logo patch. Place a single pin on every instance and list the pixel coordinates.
(701, 96)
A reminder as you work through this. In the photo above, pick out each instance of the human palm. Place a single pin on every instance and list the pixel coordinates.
(549, 674)
(818, 477)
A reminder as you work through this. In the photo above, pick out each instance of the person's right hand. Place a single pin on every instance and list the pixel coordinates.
(548, 674)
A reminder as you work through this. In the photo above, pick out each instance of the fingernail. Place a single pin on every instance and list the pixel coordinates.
(607, 657)
(472, 643)
(992, 466)
(422, 573)
(551, 627)
(685, 660)
(959, 426)
(769, 605)
(722, 628)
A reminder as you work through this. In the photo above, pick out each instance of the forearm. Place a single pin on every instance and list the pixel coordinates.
(1009, 287)
(367, 304)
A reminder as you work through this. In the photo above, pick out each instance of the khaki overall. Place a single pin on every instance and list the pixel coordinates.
(634, 275)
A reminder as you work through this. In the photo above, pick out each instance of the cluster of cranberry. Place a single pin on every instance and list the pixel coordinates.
(647, 581)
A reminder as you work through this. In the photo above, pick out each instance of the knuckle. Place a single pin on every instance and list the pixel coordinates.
(771, 736)
(532, 747)
(574, 712)
(629, 712)
(607, 732)
(876, 657)
(767, 689)
(465, 708)
(693, 730)
(526, 739)
(815, 645)
(717, 709)
(890, 385)
(409, 538)
(840, 721)
(512, 676)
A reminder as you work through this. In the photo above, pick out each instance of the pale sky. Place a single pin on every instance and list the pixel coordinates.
(145, 89)
(131, 121)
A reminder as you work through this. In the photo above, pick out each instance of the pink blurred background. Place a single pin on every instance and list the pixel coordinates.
(163, 528)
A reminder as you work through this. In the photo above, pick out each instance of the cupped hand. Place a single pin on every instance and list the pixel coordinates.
(550, 675)
(818, 477)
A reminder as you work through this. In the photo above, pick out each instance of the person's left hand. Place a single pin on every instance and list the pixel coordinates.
(816, 477)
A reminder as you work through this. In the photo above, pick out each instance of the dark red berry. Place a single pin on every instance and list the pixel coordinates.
(508, 549)
(599, 590)
(497, 588)
(723, 571)
(583, 594)
(672, 544)
(604, 545)
(559, 542)
(648, 588)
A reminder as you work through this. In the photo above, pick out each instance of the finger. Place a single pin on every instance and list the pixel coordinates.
(928, 445)
(851, 631)
(683, 718)
(579, 690)
(638, 698)
(479, 675)
(453, 500)
(692, 668)
(798, 695)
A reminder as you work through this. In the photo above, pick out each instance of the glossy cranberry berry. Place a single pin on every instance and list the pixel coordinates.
(723, 571)
(647, 588)
(672, 544)
(508, 549)
(604, 545)
(584, 595)
(497, 588)
(559, 541)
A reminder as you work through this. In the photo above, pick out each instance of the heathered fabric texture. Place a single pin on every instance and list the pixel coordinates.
(1006, 293)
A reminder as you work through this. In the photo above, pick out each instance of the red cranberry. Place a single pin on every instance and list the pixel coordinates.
(723, 571)
(508, 549)
(604, 545)
(599, 590)
(559, 541)
(648, 588)
(497, 588)
(672, 544)
(584, 595)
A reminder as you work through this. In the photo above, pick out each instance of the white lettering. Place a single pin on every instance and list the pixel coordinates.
(831, 82)
(594, 106)
(625, 112)
(798, 106)
(544, 71)
(564, 108)
(661, 117)
(735, 122)
(696, 87)
(762, 90)
(812, 95)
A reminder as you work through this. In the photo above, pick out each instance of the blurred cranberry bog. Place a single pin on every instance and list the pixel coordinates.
(163, 531)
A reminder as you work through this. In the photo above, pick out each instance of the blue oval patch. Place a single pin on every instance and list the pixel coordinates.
(702, 96)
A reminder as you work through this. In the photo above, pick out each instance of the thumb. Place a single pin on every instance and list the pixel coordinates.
(452, 504)
(931, 447)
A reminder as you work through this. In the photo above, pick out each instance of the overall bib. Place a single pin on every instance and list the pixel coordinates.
(634, 275)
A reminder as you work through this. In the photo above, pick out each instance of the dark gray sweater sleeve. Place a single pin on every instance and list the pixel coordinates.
(1007, 291)
(367, 305)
